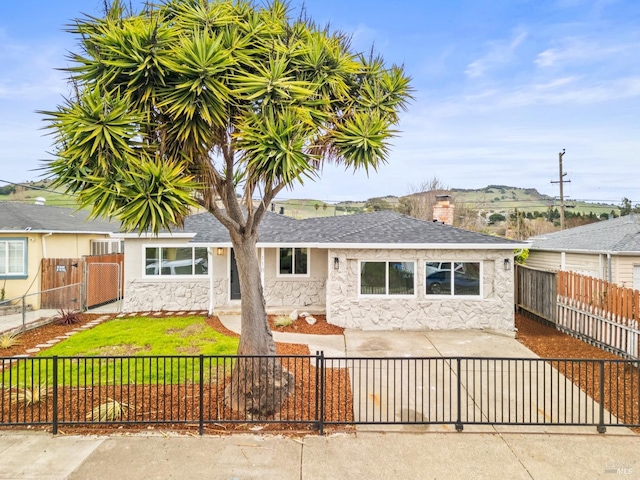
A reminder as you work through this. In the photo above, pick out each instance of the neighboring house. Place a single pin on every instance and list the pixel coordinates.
(609, 250)
(377, 270)
(29, 233)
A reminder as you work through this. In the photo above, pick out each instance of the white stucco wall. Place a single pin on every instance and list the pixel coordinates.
(492, 310)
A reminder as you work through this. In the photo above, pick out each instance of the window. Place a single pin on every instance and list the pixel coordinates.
(165, 261)
(453, 278)
(293, 261)
(387, 278)
(13, 257)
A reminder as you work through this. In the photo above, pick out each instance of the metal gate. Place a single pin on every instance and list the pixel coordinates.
(103, 283)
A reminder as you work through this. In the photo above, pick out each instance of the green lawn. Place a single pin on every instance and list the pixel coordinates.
(175, 340)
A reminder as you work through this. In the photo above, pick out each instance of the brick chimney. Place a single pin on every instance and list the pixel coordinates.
(443, 209)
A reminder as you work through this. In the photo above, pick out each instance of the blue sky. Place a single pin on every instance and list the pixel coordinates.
(501, 86)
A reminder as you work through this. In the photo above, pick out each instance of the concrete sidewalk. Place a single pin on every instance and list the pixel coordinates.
(341, 456)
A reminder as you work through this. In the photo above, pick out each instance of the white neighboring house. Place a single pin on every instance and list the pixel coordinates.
(380, 270)
(609, 250)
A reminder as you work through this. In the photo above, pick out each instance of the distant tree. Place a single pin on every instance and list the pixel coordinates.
(421, 199)
(377, 204)
(626, 208)
(496, 217)
(7, 190)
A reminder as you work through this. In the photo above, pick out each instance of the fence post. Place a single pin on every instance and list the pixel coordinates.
(320, 393)
(601, 427)
(201, 418)
(459, 426)
(24, 312)
(54, 428)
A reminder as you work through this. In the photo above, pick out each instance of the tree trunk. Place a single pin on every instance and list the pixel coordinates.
(258, 386)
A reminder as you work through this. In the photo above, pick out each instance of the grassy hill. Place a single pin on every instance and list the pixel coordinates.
(501, 199)
(505, 199)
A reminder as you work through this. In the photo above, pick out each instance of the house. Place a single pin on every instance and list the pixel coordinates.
(378, 270)
(30, 233)
(609, 250)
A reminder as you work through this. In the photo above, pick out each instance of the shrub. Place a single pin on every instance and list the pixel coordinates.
(282, 321)
(28, 396)
(108, 411)
(68, 317)
(8, 340)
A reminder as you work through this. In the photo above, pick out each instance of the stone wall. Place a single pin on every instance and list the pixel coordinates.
(299, 292)
(493, 310)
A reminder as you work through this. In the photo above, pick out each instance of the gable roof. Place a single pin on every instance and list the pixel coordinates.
(383, 229)
(28, 217)
(617, 235)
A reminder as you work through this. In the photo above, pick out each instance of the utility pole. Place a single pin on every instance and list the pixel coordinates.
(561, 181)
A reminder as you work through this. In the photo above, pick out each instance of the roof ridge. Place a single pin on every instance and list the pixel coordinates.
(367, 227)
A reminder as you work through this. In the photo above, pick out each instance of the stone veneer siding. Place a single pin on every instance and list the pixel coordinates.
(172, 295)
(299, 292)
(177, 295)
(493, 311)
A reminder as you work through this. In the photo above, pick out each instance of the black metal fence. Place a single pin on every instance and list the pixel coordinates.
(190, 391)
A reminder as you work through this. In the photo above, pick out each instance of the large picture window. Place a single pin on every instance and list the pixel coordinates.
(387, 278)
(453, 278)
(13, 257)
(293, 261)
(164, 261)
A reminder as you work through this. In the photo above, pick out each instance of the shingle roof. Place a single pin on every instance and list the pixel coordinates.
(21, 217)
(620, 235)
(383, 227)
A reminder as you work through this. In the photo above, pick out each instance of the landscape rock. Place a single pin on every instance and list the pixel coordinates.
(304, 314)
(294, 315)
(310, 319)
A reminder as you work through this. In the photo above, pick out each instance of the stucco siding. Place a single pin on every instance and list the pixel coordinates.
(493, 309)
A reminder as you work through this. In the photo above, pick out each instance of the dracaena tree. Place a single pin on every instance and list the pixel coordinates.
(216, 103)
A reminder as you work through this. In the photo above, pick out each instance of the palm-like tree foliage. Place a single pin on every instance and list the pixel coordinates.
(190, 101)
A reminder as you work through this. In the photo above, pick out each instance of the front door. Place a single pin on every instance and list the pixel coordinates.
(235, 281)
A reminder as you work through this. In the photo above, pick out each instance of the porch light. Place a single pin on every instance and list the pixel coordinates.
(507, 264)
(220, 251)
(336, 263)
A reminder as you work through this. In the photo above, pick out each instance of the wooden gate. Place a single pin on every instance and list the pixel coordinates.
(536, 292)
(79, 283)
(104, 278)
(61, 283)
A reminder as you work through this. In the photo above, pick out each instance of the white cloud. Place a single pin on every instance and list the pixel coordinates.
(500, 53)
(576, 51)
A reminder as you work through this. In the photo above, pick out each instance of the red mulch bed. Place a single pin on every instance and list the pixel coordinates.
(621, 382)
(179, 402)
(321, 327)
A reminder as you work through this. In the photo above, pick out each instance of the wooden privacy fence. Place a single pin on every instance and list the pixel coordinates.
(603, 312)
(536, 292)
(594, 310)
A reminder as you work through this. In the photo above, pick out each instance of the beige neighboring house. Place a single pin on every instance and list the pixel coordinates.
(609, 250)
(30, 233)
(380, 270)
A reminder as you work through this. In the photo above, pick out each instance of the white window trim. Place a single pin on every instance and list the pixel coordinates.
(293, 260)
(16, 275)
(200, 276)
(386, 278)
(452, 294)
